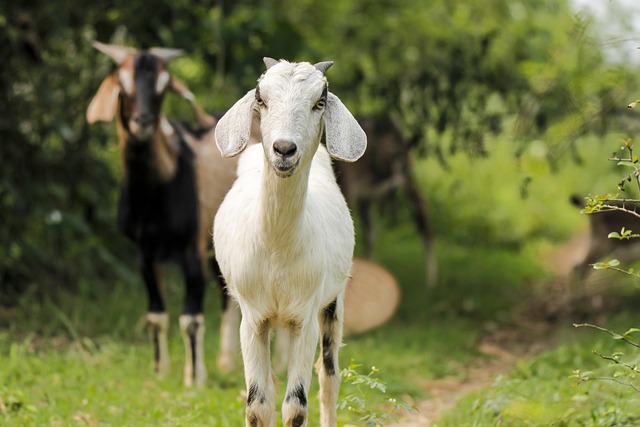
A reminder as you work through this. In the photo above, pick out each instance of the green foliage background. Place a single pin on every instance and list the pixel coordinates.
(512, 107)
(455, 76)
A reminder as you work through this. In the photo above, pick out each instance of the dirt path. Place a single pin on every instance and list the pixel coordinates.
(530, 332)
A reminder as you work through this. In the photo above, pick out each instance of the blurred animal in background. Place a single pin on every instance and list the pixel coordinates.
(174, 180)
(385, 168)
(602, 223)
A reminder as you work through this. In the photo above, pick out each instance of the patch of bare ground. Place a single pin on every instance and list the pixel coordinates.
(531, 331)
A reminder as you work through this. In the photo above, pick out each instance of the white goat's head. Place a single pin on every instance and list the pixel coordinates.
(137, 86)
(295, 110)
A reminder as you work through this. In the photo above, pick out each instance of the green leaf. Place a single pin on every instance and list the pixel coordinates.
(628, 164)
(631, 331)
(614, 235)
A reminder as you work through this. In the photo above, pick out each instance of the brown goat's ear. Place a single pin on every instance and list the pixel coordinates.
(104, 104)
(181, 89)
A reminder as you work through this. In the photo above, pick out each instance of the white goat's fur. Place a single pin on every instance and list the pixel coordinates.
(284, 236)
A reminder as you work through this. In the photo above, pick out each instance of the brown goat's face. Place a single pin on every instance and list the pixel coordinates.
(143, 81)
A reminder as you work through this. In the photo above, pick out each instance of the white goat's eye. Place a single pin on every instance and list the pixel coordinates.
(320, 104)
(260, 101)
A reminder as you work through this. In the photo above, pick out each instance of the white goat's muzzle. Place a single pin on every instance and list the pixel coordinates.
(284, 157)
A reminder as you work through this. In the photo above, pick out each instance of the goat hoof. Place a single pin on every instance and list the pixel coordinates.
(297, 421)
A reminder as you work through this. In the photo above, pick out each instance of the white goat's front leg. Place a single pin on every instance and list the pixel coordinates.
(255, 344)
(302, 350)
(331, 321)
(158, 324)
(192, 328)
(229, 337)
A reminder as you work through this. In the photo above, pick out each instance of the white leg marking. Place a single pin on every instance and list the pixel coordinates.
(192, 328)
(158, 326)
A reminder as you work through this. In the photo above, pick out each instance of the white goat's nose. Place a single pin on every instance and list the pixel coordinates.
(284, 148)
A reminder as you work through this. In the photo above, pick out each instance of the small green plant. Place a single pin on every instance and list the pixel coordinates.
(367, 388)
(626, 371)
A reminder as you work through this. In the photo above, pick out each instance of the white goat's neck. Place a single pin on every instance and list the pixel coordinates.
(283, 203)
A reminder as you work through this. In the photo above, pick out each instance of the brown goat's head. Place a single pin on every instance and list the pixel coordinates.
(135, 90)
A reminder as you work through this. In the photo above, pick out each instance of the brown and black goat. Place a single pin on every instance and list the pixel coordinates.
(385, 167)
(174, 180)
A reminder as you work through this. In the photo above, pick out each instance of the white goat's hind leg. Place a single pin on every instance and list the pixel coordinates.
(302, 350)
(158, 324)
(192, 328)
(229, 337)
(331, 321)
(255, 344)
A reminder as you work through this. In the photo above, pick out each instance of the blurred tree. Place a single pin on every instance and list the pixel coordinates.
(448, 73)
(466, 69)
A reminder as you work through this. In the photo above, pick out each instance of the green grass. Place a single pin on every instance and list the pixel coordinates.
(78, 358)
(543, 392)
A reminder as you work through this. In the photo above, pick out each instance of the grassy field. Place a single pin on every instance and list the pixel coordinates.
(81, 358)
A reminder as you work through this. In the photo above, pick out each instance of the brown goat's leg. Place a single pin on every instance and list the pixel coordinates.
(192, 323)
(157, 317)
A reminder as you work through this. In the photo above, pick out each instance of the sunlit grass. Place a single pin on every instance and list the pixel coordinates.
(80, 356)
(542, 392)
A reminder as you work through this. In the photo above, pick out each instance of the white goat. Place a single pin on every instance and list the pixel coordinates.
(284, 236)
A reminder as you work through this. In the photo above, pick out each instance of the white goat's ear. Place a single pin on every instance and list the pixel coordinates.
(234, 128)
(104, 104)
(345, 138)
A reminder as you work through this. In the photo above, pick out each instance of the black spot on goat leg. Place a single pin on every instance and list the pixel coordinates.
(329, 312)
(327, 355)
(254, 394)
(299, 394)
